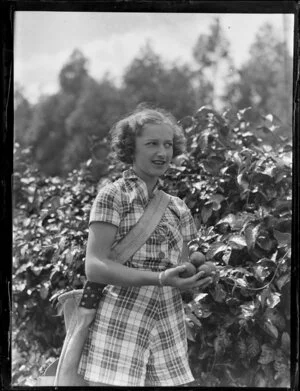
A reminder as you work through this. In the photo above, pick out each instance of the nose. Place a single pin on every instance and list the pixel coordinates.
(162, 152)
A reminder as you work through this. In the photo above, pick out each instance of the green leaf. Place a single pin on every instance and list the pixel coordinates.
(194, 319)
(199, 185)
(273, 299)
(193, 245)
(262, 297)
(286, 342)
(282, 280)
(227, 254)
(253, 346)
(261, 272)
(218, 346)
(274, 316)
(268, 355)
(205, 214)
(248, 310)
(44, 291)
(190, 330)
(213, 165)
(237, 242)
(187, 122)
(69, 258)
(242, 181)
(200, 296)
(24, 249)
(264, 242)
(26, 222)
(216, 200)
(230, 219)
(219, 294)
(283, 239)
(270, 328)
(251, 233)
(241, 282)
(214, 249)
(203, 143)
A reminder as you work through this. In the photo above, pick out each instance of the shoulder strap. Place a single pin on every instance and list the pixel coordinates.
(143, 229)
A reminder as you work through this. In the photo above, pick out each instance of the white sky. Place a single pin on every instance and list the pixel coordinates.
(45, 40)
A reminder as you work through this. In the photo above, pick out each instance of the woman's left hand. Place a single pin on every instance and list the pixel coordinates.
(172, 277)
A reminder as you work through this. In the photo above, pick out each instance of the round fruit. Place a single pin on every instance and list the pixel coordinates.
(207, 267)
(189, 271)
(197, 258)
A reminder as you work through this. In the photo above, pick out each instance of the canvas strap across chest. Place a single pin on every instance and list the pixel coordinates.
(143, 229)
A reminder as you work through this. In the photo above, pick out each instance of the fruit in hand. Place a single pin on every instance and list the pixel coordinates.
(197, 258)
(189, 271)
(208, 268)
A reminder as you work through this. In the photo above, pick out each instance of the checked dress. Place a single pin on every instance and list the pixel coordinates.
(139, 337)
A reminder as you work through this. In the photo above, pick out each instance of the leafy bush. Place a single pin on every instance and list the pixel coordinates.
(241, 201)
(50, 231)
(239, 191)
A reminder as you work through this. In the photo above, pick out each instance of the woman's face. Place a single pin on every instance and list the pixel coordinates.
(153, 151)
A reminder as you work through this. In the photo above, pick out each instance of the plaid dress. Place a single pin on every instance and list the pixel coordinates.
(139, 336)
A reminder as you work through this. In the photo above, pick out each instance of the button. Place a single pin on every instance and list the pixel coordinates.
(161, 255)
(161, 238)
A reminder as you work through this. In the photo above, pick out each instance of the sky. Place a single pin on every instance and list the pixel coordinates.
(43, 41)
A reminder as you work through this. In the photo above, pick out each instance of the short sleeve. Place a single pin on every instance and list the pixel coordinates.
(187, 225)
(107, 206)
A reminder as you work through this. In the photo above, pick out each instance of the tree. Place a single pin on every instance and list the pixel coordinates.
(147, 79)
(63, 124)
(143, 77)
(177, 93)
(74, 73)
(22, 116)
(47, 132)
(263, 81)
(98, 107)
(215, 65)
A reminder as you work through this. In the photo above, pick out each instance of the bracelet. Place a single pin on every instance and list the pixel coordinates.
(91, 295)
(160, 276)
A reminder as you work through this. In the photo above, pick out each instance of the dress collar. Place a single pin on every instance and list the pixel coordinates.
(131, 174)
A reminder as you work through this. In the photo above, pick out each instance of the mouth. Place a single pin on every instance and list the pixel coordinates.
(159, 163)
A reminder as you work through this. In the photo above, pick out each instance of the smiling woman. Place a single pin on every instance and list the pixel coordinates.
(154, 151)
(139, 337)
(152, 138)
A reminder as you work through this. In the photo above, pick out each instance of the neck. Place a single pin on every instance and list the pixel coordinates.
(150, 181)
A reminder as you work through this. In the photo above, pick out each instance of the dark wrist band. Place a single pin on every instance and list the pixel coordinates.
(92, 292)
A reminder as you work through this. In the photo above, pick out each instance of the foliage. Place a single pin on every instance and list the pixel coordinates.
(266, 79)
(50, 231)
(147, 79)
(239, 192)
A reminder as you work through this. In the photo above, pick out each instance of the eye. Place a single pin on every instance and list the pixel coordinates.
(169, 145)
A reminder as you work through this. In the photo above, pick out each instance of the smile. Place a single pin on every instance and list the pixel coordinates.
(158, 162)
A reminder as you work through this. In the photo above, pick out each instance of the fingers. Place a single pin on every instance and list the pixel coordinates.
(174, 271)
(204, 282)
(195, 277)
(193, 282)
(199, 280)
(199, 275)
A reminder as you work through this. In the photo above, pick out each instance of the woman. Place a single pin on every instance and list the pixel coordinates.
(138, 337)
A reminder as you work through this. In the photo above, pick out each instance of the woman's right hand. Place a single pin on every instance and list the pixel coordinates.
(172, 277)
